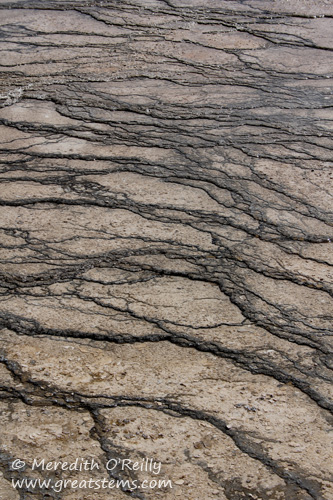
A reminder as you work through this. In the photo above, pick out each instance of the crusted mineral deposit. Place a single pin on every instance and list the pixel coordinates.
(166, 250)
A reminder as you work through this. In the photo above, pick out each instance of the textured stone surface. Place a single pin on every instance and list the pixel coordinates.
(166, 256)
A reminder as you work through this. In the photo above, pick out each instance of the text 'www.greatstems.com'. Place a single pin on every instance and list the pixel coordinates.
(92, 484)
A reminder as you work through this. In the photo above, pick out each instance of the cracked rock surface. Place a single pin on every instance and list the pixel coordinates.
(166, 247)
